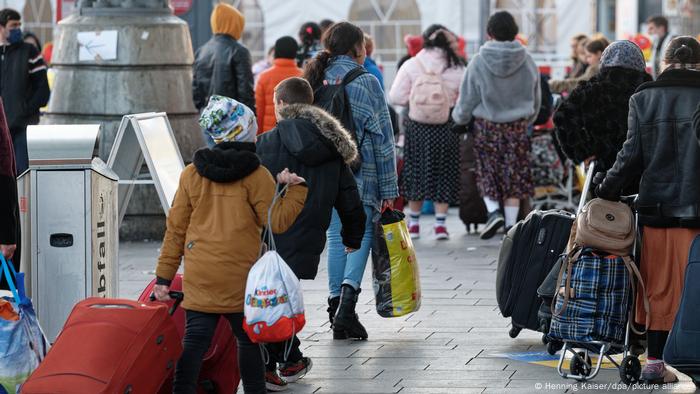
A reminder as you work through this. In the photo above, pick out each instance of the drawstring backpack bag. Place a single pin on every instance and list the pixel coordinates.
(274, 307)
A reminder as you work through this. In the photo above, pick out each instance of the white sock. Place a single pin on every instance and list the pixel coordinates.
(491, 205)
(440, 219)
(511, 215)
(413, 217)
(654, 361)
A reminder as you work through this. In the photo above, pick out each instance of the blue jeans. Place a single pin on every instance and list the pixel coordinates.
(347, 269)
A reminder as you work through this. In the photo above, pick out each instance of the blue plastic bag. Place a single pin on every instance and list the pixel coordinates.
(428, 208)
(22, 343)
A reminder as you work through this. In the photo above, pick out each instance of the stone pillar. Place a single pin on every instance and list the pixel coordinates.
(152, 73)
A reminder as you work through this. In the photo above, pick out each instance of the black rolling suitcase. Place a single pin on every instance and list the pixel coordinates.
(528, 252)
(472, 209)
(682, 350)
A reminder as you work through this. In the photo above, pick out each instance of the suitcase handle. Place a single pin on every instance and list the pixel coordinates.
(178, 296)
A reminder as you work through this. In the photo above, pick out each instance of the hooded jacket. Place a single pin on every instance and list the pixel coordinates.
(223, 66)
(314, 145)
(216, 222)
(662, 147)
(23, 84)
(501, 85)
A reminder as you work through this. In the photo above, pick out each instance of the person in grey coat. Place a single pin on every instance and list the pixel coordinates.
(501, 91)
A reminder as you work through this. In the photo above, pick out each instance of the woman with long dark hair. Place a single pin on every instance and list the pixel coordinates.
(592, 122)
(309, 42)
(376, 179)
(662, 148)
(431, 169)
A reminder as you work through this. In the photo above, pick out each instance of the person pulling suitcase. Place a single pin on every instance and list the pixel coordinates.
(216, 223)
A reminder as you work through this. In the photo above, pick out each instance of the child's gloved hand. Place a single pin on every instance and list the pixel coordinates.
(289, 178)
(162, 292)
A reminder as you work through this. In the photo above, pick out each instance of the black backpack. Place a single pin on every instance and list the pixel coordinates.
(334, 100)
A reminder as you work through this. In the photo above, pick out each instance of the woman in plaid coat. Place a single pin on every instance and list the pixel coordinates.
(344, 51)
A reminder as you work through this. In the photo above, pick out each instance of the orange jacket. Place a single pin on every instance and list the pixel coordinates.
(264, 91)
(216, 227)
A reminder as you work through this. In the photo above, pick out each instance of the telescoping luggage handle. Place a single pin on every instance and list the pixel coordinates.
(574, 252)
(178, 296)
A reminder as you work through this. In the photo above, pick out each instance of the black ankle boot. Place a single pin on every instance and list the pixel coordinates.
(332, 309)
(346, 319)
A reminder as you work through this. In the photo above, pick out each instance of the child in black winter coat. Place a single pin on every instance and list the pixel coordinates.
(313, 144)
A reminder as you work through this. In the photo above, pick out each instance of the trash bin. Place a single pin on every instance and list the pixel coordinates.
(68, 214)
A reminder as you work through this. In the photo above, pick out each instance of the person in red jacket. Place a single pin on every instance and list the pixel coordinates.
(283, 67)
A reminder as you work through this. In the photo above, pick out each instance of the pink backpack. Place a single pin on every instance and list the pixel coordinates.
(428, 102)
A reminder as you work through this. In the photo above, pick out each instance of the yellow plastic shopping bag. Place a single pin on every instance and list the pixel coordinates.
(395, 273)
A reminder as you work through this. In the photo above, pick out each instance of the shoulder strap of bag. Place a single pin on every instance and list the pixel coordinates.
(352, 75)
(568, 267)
(349, 77)
(6, 266)
(636, 277)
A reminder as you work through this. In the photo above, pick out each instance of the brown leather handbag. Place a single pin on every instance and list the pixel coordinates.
(603, 225)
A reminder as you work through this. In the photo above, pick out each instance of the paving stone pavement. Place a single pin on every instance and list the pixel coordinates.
(454, 344)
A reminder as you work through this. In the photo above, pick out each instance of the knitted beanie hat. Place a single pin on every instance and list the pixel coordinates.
(225, 119)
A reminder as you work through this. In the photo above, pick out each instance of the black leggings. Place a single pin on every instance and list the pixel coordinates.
(657, 342)
(198, 335)
(277, 351)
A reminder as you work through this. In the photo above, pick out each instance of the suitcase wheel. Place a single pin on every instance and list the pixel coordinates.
(554, 346)
(630, 370)
(514, 331)
(580, 365)
(637, 349)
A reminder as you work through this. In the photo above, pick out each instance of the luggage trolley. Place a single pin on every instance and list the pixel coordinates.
(581, 366)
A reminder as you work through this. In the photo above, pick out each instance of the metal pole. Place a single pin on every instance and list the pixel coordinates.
(485, 12)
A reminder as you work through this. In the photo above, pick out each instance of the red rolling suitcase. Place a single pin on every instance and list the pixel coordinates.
(109, 346)
(219, 373)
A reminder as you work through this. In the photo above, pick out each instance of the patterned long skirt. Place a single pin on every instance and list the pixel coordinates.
(503, 159)
(431, 169)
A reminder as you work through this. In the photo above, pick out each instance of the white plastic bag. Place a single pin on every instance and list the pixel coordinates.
(274, 306)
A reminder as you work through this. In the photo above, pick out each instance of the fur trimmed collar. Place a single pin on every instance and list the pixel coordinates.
(227, 161)
(328, 126)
